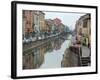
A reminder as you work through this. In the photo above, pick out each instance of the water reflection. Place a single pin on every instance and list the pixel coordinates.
(70, 59)
(49, 55)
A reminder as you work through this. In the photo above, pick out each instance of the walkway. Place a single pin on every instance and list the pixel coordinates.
(85, 51)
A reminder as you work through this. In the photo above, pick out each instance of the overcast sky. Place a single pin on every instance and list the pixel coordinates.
(68, 19)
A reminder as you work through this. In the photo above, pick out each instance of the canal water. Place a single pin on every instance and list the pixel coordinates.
(49, 55)
(53, 59)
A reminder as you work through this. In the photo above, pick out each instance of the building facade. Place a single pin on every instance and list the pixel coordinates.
(83, 29)
(33, 23)
(42, 21)
(27, 23)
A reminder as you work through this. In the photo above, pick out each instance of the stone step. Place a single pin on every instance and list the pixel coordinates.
(85, 61)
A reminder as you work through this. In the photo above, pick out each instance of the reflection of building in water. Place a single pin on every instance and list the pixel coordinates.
(28, 61)
(38, 57)
(34, 58)
(57, 43)
(70, 59)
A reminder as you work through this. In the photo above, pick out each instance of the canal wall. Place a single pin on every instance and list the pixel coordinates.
(73, 57)
(34, 45)
(70, 59)
(28, 47)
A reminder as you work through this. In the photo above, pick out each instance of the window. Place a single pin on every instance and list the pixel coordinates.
(85, 23)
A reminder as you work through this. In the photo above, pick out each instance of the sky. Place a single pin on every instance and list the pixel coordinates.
(67, 18)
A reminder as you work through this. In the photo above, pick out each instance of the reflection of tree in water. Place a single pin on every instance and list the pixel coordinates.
(57, 43)
(49, 47)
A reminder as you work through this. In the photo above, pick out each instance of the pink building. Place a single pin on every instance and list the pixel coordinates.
(57, 21)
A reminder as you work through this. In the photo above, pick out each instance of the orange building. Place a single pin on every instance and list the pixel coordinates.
(33, 21)
(27, 23)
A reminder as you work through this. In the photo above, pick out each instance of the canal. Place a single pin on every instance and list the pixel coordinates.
(51, 54)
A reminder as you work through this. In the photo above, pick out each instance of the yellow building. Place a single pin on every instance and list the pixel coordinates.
(42, 21)
(83, 29)
(48, 25)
